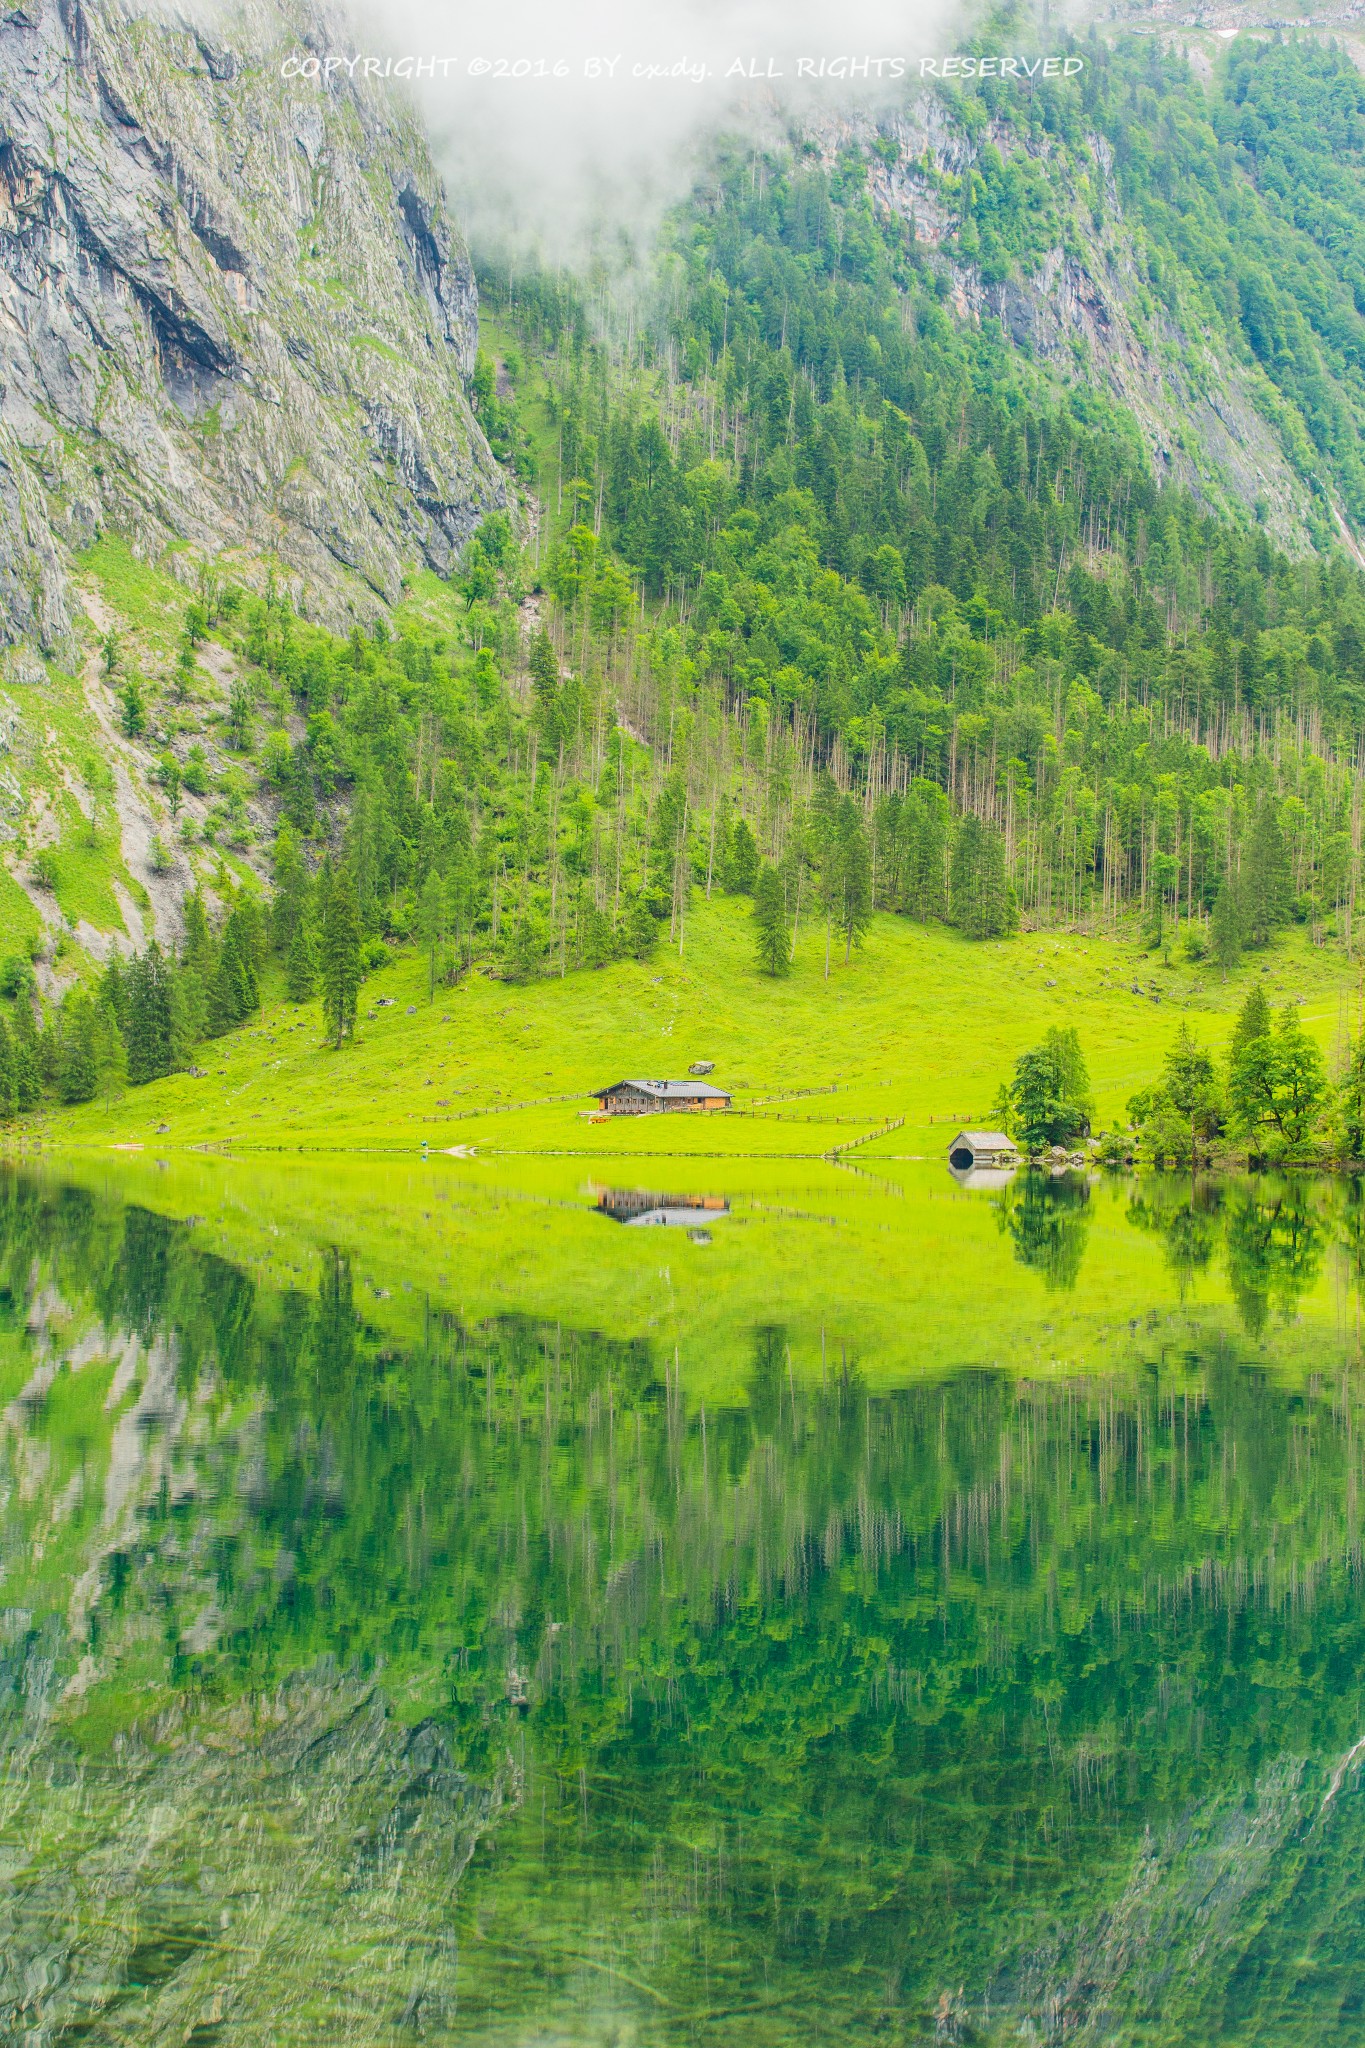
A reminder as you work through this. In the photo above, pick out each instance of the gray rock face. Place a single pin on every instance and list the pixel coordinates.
(232, 311)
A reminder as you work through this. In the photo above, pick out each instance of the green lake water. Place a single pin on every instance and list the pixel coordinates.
(415, 1641)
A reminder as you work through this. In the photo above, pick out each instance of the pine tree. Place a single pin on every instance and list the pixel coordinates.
(1225, 929)
(301, 968)
(855, 877)
(1253, 1021)
(8, 1091)
(431, 925)
(150, 1029)
(340, 965)
(77, 1076)
(1266, 883)
(545, 687)
(981, 899)
(770, 922)
(28, 1073)
(742, 867)
(924, 831)
(289, 904)
(642, 928)
(111, 1055)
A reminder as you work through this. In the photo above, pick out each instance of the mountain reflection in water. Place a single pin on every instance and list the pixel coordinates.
(477, 1681)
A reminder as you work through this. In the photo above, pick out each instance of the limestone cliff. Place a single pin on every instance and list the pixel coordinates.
(233, 313)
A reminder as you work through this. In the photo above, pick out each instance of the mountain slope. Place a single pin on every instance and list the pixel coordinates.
(1178, 232)
(234, 313)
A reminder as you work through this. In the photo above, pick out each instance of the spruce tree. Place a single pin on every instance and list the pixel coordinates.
(1253, 1021)
(925, 831)
(545, 687)
(1266, 883)
(301, 971)
(770, 922)
(8, 1092)
(431, 925)
(150, 1031)
(77, 1075)
(981, 899)
(239, 947)
(1225, 929)
(28, 1073)
(111, 1055)
(1191, 1084)
(300, 802)
(642, 928)
(825, 841)
(341, 970)
(855, 877)
(138, 1029)
(289, 903)
(742, 867)
(964, 879)
(113, 990)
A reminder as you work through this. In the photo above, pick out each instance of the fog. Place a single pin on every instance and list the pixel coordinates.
(563, 132)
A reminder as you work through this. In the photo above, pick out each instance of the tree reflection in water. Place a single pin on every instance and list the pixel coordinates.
(1047, 1217)
(494, 1684)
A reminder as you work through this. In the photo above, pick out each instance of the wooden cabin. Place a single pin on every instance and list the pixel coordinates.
(971, 1149)
(642, 1098)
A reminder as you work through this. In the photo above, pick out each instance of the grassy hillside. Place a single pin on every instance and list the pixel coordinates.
(921, 1025)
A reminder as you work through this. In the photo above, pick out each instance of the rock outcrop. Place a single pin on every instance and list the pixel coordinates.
(233, 312)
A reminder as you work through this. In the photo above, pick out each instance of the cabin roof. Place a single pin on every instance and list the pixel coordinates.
(667, 1091)
(983, 1141)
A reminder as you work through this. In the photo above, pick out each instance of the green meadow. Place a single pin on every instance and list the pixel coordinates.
(915, 1033)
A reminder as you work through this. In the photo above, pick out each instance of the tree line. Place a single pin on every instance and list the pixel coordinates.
(1269, 1096)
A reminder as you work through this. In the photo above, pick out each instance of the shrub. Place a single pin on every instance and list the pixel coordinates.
(16, 976)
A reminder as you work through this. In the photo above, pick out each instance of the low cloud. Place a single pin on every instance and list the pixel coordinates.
(560, 135)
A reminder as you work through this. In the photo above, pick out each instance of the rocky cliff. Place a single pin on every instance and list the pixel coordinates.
(234, 312)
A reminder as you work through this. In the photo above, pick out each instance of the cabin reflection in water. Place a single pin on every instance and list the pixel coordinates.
(691, 1213)
(983, 1176)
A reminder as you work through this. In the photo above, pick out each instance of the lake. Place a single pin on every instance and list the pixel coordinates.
(463, 1601)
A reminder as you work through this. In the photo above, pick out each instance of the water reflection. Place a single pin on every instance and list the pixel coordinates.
(1270, 1234)
(638, 1206)
(1047, 1218)
(490, 1686)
